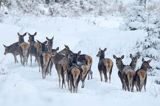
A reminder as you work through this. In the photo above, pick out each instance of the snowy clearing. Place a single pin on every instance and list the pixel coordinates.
(24, 86)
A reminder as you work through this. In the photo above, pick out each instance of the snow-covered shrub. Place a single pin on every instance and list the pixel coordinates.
(65, 7)
(139, 16)
(150, 46)
(135, 18)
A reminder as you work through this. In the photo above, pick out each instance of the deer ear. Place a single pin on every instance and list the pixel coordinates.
(149, 60)
(105, 49)
(18, 34)
(45, 42)
(131, 56)
(52, 37)
(35, 34)
(57, 48)
(24, 34)
(47, 38)
(114, 57)
(66, 46)
(143, 60)
(79, 52)
(4, 45)
(29, 34)
(122, 57)
(38, 41)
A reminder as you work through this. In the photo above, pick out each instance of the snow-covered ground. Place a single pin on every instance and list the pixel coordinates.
(23, 86)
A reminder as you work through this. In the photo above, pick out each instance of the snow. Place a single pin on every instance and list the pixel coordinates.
(24, 85)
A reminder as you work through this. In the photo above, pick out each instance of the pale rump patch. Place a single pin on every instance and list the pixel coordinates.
(75, 73)
(89, 60)
(142, 74)
(130, 76)
(108, 63)
(85, 69)
(24, 46)
(46, 57)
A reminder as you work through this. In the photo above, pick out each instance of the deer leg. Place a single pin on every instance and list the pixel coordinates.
(89, 75)
(82, 83)
(67, 79)
(21, 58)
(121, 79)
(145, 81)
(62, 75)
(43, 73)
(31, 60)
(138, 84)
(77, 85)
(15, 59)
(59, 80)
(100, 72)
(105, 76)
(125, 81)
(133, 83)
(109, 77)
(70, 83)
(110, 72)
(39, 64)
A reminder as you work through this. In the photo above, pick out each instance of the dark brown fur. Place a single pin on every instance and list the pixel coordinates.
(120, 67)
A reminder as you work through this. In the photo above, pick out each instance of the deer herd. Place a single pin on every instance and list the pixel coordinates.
(74, 67)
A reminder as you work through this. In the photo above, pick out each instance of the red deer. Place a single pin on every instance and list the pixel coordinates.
(54, 51)
(83, 61)
(105, 65)
(49, 43)
(14, 48)
(74, 78)
(120, 66)
(46, 63)
(56, 59)
(44, 58)
(140, 79)
(65, 63)
(87, 62)
(33, 47)
(134, 60)
(126, 73)
(73, 72)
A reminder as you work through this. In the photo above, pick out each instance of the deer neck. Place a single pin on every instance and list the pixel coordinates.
(101, 57)
(133, 65)
(144, 68)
